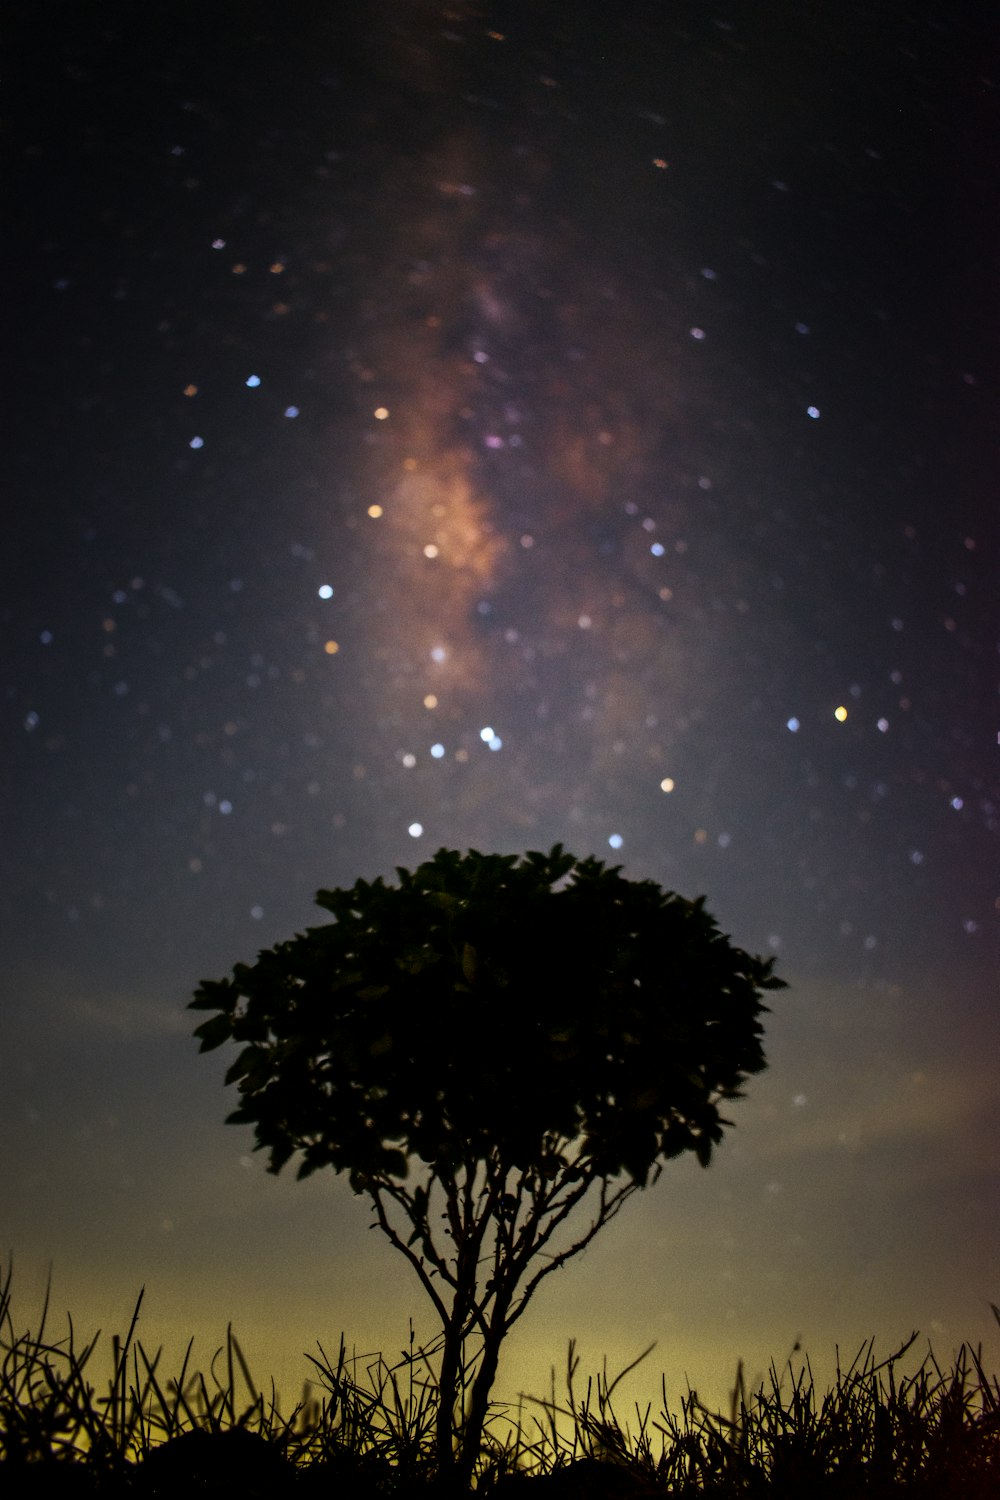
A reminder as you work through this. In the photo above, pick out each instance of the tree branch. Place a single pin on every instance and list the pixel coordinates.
(415, 1261)
(608, 1210)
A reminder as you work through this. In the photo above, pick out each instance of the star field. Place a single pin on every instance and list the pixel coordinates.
(488, 425)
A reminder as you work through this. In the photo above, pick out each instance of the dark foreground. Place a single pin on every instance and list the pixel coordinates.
(929, 1434)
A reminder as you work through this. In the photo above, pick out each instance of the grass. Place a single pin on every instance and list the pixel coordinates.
(364, 1429)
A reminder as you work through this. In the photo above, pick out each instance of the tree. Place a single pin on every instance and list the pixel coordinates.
(537, 1032)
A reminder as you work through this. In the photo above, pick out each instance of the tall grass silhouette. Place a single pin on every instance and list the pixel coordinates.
(365, 1428)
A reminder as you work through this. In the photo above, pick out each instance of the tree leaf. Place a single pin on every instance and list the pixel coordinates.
(214, 1032)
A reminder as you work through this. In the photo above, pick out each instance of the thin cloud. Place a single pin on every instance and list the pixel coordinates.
(53, 993)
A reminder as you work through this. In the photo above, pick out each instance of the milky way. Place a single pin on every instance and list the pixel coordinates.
(488, 426)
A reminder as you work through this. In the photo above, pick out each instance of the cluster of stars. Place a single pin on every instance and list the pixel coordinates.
(550, 547)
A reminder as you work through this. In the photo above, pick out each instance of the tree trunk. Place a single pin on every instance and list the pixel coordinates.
(472, 1429)
(448, 1392)
(479, 1405)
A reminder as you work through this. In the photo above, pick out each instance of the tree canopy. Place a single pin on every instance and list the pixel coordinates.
(525, 1028)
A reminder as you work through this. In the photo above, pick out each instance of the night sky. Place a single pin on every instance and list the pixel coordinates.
(487, 425)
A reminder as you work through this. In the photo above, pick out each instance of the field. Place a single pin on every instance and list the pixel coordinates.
(889, 1426)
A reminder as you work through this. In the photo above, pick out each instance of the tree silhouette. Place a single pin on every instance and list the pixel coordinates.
(537, 1032)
